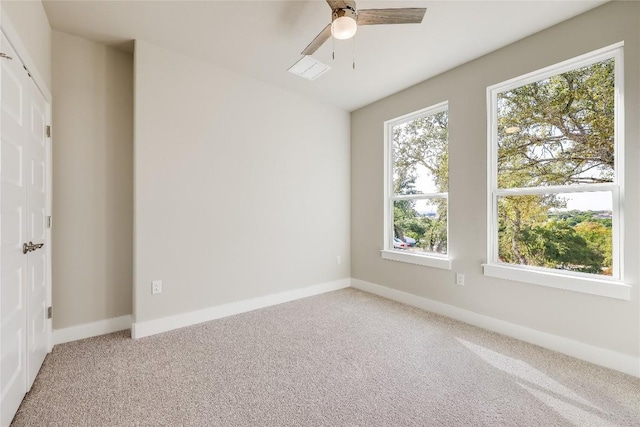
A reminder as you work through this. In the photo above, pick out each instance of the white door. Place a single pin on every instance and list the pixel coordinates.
(35, 167)
(23, 289)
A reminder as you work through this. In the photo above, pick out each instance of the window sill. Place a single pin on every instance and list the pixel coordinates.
(424, 260)
(594, 286)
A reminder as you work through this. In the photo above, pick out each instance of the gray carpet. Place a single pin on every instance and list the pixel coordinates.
(344, 358)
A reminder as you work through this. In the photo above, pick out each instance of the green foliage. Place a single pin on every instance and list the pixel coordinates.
(575, 217)
(571, 240)
(556, 244)
(418, 146)
(421, 142)
(557, 131)
(562, 129)
(599, 240)
(430, 234)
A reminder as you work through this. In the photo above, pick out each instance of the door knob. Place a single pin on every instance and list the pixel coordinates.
(30, 247)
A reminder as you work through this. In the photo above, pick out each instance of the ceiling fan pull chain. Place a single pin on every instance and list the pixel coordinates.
(333, 44)
(354, 52)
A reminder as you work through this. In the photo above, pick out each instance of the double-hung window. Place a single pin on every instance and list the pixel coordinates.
(555, 148)
(417, 182)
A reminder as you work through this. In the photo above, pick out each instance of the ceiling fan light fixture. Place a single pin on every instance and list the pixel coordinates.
(344, 27)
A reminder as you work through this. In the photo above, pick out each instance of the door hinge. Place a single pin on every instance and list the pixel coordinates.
(48, 131)
(49, 221)
(49, 312)
(27, 70)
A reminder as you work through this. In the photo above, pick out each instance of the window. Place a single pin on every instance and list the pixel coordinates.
(417, 181)
(555, 174)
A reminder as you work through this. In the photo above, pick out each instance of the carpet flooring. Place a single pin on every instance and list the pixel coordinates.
(345, 358)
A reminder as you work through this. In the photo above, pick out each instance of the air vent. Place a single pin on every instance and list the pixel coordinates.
(309, 68)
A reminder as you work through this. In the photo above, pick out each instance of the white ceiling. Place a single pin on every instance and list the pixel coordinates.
(264, 38)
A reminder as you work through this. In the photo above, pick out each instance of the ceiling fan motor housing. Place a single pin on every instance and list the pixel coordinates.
(347, 11)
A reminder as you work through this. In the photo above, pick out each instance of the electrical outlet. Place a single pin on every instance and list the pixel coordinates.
(459, 279)
(338, 260)
(156, 287)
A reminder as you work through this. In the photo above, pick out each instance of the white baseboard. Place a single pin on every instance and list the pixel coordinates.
(596, 355)
(587, 352)
(89, 330)
(164, 324)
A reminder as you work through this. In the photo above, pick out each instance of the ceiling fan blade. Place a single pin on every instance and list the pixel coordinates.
(317, 42)
(391, 16)
(341, 4)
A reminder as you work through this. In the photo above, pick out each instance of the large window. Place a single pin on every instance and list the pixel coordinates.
(555, 170)
(417, 187)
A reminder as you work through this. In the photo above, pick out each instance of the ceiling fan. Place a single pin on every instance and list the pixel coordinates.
(345, 19)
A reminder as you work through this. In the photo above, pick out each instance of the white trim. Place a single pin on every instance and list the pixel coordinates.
(421, 196)
(48, 233)
(164, 324)
(429, 111)
(584, 60)
(389, 196)
(567, 280)
(587, 283)
(619, 159)
(492, 174)
(556, 189)
(419, 259)
(587, 352)
(94, 329)
(387, 229)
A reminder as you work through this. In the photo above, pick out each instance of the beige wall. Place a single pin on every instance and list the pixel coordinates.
(92, 181)
(241, 188)
(600, 321)
(32, 25)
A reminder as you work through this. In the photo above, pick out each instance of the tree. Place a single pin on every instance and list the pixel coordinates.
(420, 145)
(557, 131)
(598, 238)
(556, 244)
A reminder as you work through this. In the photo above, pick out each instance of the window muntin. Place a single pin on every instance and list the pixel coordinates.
(418, 182)
(555, 181)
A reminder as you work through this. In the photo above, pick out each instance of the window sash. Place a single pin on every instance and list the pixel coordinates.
(555, 189)
(616, 187)
(390, 195)
(423, 196)
(391, 230)
(616, 237)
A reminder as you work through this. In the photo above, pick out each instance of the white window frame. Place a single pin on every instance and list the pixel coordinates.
(613, 287)
(425, 259)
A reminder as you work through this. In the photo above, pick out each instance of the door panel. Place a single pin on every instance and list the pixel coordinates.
(14, 85)
(11, 160)
(36, 233)
(24, 327)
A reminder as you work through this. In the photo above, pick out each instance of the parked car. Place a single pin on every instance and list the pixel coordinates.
(399, 244)
(409, 241)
